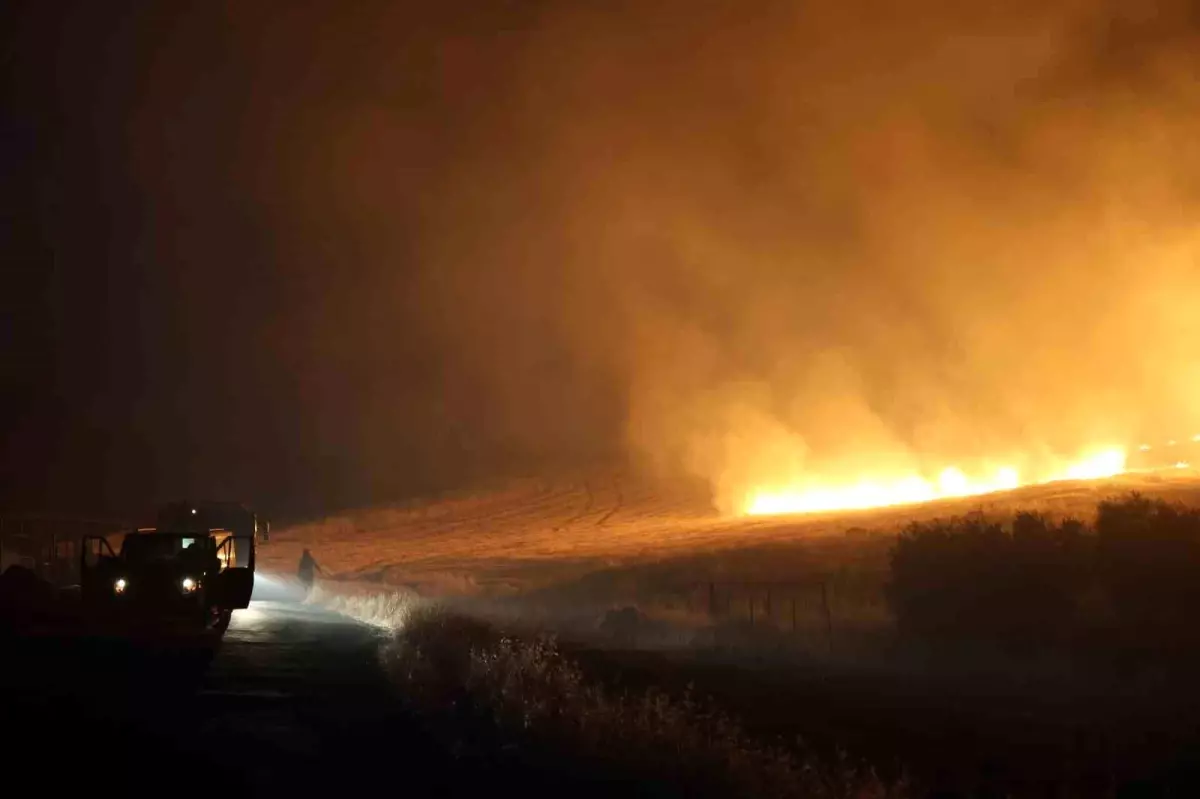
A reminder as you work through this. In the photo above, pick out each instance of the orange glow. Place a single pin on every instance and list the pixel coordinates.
(808, 496)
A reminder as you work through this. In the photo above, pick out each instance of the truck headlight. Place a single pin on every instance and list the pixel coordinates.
(188, 585)
(119, 585)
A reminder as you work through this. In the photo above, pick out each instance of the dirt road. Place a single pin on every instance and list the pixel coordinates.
(291, 700)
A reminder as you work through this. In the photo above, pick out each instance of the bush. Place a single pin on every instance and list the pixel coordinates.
(972, 579)
(496, 693)
(1148, 568)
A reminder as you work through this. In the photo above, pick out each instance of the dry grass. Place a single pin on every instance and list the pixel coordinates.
(488, 693)
(384, 609)
(540, 535)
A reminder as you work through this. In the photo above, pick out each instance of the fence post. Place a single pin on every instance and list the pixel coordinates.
(828, 615)
(712, 599)
(768, 608)
(751, 602)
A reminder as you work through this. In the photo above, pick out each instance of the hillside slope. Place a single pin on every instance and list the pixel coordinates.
(539, 533)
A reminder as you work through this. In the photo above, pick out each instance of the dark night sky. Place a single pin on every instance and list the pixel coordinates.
(316, 254)
(189, 306)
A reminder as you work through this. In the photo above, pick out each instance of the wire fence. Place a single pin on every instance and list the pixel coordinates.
(820, 607)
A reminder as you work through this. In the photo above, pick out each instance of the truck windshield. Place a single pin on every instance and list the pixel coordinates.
(153, 547)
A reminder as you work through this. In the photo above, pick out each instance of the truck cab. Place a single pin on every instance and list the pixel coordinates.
(227, 520)
(195, 566)
(175, 578)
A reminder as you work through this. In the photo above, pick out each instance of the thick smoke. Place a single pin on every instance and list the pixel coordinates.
(836, 240)
(745, 241)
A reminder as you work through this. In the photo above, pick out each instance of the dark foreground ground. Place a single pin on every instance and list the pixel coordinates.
(292, 701)
(953, 733)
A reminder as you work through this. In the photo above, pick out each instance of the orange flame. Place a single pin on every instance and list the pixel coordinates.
(803, 496)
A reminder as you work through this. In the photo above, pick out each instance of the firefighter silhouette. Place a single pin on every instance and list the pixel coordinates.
(308, 570)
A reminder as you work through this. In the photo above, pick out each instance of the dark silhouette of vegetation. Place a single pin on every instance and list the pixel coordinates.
(974, 579)
(1129, 582)
(1147, 566)
(490, 695)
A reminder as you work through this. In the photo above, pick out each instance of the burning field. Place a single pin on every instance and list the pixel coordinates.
(535, 534)
(686, 321)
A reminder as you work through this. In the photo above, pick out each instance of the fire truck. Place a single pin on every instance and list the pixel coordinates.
(191, 570)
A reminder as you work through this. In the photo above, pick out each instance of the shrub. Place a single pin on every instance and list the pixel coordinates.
(1148, 568)
(970, 579)
(503, 692)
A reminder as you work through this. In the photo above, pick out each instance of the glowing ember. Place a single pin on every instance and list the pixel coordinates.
(909, 489)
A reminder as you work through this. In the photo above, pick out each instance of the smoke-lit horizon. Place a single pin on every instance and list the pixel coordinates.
(348, 255)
